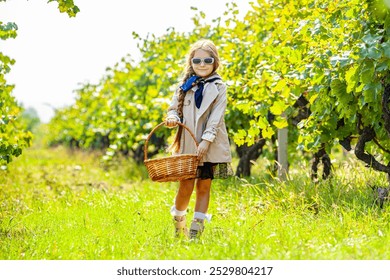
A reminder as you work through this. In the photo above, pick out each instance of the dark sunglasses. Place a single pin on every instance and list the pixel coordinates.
(206, 60)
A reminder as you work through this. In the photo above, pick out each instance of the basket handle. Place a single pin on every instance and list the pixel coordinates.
(159, 125)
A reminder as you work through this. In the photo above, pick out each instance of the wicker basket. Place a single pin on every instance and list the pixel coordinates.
(171, 168)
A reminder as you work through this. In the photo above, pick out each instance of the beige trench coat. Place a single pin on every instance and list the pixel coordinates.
(207, 122)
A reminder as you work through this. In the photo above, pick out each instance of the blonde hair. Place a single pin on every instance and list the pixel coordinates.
(208, 46)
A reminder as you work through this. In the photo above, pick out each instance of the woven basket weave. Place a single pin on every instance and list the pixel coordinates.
(171, 168)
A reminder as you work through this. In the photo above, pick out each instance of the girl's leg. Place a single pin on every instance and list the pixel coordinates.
(179, 210)
(184, 193)
(202, 195)
(201, 206)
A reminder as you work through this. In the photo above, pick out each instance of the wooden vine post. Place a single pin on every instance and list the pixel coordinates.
(282, 153)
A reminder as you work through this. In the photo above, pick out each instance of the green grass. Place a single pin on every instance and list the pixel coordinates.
(57, 204)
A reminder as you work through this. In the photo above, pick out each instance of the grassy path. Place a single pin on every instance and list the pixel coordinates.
(60, 205)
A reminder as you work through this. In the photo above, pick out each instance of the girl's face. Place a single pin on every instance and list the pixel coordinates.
(206, 65)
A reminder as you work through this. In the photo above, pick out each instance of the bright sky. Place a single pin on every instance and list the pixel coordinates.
(55, 54)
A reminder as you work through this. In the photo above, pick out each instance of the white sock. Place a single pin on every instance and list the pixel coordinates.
(175, 212)
(202, 216)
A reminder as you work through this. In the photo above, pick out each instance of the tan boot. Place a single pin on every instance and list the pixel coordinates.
(180, 226)
(196, 229)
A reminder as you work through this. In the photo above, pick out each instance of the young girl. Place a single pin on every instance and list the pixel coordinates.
(200, 104)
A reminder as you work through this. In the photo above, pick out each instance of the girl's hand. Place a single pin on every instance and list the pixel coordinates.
(203, 148)
(171, 122)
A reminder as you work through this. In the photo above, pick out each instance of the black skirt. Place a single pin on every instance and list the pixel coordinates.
(211, 170)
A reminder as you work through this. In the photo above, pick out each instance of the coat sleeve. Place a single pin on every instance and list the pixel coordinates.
(217, 114)
(172, 109)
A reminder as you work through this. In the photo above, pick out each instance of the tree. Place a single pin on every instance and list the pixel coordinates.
(30, 118)
(335, 54)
